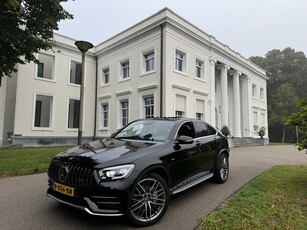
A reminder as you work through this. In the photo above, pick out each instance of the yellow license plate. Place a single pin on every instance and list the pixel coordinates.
(69, 191)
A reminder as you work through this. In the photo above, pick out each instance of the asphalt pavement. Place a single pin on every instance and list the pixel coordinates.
(24, 204)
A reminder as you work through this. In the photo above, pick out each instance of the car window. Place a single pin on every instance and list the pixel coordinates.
(186, 129)
(201, 129)
(212, 131)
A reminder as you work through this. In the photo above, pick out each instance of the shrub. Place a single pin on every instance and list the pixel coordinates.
(225, 130)
(261, 132)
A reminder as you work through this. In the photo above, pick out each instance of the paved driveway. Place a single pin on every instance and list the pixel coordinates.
(24, 204)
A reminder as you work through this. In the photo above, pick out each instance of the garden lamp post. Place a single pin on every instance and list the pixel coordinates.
(83, 46)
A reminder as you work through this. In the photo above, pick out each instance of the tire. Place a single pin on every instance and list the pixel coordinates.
(148, 201)
(221, 170)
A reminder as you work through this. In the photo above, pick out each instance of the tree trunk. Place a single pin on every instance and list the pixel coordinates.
(283, 134)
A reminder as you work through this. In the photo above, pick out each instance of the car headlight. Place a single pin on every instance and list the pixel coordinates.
(116, 172)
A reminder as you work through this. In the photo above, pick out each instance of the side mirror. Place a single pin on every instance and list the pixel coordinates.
(183, 140)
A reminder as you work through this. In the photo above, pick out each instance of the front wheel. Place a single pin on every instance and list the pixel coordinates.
(221, 170)
(149, 200)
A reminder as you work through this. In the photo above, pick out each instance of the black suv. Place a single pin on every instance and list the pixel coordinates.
(135, 171)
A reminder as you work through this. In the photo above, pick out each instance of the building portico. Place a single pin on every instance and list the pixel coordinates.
(233, 100)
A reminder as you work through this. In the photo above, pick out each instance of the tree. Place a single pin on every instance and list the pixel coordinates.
(282, 107)
(300, 119)
(286, 66)
(26, 27)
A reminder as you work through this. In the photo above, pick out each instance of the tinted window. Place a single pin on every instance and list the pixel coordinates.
(201, 129)
(212, 130)
(186, 129)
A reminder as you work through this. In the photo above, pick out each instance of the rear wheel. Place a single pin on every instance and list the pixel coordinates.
(221, 170)
(149, 200)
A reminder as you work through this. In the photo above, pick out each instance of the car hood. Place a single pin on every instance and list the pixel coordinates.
(110, 151)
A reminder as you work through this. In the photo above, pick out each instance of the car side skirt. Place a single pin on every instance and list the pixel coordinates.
(191, 181)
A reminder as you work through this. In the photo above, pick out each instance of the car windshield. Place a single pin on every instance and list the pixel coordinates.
(150, 130)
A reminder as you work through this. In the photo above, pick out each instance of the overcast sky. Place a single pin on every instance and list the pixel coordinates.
(250, 27)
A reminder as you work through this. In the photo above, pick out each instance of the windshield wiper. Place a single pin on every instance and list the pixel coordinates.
(87, 146)
(147, 137)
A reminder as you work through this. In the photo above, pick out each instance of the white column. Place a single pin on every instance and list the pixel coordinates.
(236, 104)
(224, 95)
(246, 106)
(212, 86)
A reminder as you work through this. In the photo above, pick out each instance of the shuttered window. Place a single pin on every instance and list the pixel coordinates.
(200, 108)
(45, 67)
(180, 106)
(180, 103)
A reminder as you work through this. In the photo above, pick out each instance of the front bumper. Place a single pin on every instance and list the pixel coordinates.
(97, 200)
(86, 205)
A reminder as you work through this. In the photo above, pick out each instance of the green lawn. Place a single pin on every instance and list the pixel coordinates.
(280, 143)
(25, 161)
(277, 199)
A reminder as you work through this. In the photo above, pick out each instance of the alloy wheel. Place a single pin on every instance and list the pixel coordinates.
(148, 200)
(224, 168)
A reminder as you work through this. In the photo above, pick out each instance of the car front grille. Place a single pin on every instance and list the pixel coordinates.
(76, 175)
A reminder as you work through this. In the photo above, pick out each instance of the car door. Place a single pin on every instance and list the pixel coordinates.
(207, 142)
(183, 161)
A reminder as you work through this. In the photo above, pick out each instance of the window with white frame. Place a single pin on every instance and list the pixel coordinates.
(125, 69)
(106, 76)
(254, 91)
(200, 109)
(43, 111)
(180, 109)
(124, 107)
(149, 61)
(199, 69)
(75, 72)
(73, 113)
(262, 121)
(180, 61)
(179, 113)
(148, 106)
(255, 118)
(262, 94)
(199, 116)
(45, 67)
(105, 115)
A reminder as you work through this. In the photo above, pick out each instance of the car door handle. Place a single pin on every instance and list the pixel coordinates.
(198, 143)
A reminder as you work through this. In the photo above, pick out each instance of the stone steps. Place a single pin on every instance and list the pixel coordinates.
(248, 141)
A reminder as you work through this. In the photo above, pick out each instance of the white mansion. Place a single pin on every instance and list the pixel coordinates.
(162, 66)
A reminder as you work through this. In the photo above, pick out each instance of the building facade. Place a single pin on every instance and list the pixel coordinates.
(162, 66)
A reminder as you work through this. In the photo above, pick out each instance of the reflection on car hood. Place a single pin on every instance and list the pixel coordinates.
(109, 149)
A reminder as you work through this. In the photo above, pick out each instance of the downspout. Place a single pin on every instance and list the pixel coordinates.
(96, 100)
(161, 71)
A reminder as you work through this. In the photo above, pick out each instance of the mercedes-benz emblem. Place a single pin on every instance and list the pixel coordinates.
(63, 173)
